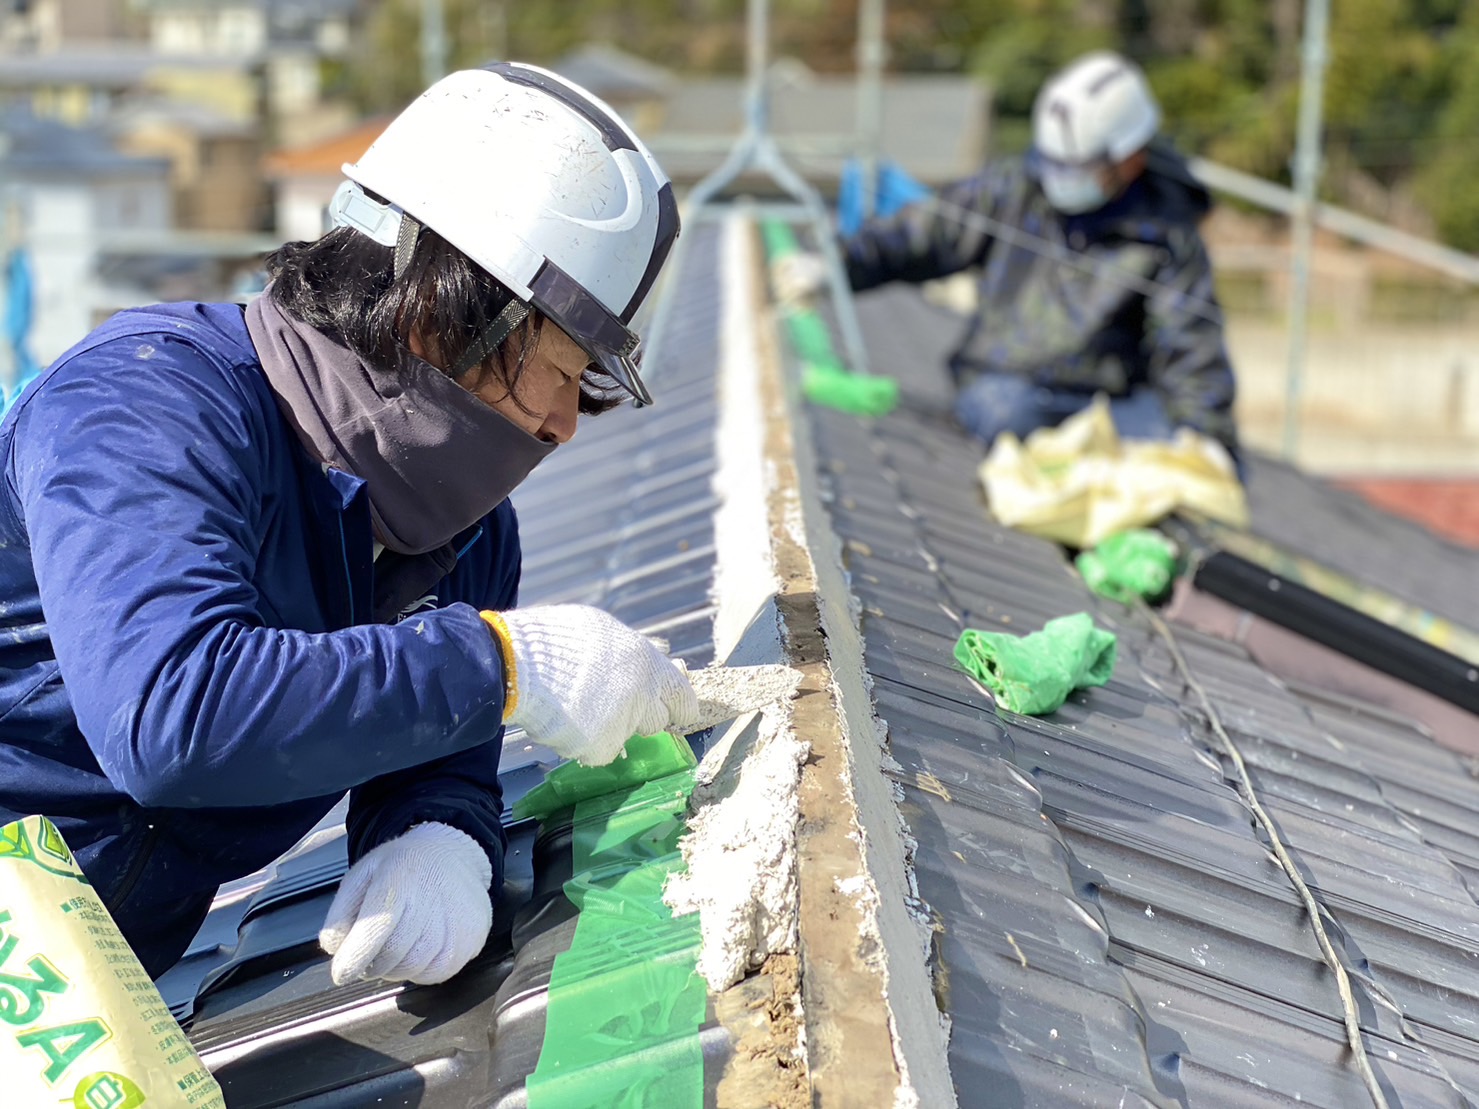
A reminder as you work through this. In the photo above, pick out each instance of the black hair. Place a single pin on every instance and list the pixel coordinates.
(344, 285)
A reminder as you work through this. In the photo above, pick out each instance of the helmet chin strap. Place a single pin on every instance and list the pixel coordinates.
(405, 243)
(491, 337)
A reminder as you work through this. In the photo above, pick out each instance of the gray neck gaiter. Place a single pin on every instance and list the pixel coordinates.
(435, 459)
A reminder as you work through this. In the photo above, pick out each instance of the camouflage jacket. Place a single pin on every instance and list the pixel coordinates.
(1110, 300)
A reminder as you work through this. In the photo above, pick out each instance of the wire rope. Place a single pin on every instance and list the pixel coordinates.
(1360, 1056)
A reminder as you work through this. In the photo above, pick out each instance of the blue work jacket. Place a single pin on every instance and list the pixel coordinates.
(199, 653)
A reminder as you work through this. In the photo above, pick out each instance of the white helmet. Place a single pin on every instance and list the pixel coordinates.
(1098, 109)
(539, 183)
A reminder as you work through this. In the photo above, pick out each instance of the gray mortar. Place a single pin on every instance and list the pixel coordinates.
(741, 844)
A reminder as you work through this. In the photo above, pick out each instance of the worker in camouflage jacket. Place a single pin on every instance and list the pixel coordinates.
(1093, 276)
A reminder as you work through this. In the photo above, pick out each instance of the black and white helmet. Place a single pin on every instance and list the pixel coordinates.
(539, 183)
(1099, 107)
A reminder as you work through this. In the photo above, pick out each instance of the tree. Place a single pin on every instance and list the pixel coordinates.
(1401, 102)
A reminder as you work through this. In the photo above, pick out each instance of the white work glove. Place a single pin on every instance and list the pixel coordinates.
(797, 276)
(582, 683)
(414, 909)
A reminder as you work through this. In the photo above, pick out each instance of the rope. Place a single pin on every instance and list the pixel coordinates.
(1360, 1056)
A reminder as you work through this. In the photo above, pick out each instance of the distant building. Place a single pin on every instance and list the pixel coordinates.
(286, 42)
(215, 161)
(43, 26)
(933, 126)
(304, 178)
(69, 188)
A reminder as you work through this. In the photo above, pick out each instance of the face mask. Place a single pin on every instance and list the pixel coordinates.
(1072, 190)
(434, 458)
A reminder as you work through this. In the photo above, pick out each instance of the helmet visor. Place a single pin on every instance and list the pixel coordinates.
(611, 345)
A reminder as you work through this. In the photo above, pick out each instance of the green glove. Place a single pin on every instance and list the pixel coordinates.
(1034, 674)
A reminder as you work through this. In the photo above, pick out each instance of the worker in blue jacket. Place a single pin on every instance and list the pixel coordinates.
(253, 558)
(1093, 274)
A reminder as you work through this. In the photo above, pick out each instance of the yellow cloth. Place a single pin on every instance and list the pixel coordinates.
(1079, 483)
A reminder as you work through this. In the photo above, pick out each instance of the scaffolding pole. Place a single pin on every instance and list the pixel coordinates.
(1306, 182)
(871, 56)
(755, 151)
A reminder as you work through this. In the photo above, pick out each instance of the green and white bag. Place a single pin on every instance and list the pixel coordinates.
(81, 1023)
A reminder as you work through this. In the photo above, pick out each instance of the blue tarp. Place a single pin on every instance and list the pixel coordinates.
(18, 312)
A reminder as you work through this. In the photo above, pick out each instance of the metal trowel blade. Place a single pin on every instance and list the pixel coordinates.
(725, 692)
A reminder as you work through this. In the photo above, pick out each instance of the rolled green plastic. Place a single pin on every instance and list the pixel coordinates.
(860, 394)
(645, 757)
(625, 1002)
(825, 380)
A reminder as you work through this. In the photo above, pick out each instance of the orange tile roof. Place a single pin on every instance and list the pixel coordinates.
(1449, 507)
(328, 156)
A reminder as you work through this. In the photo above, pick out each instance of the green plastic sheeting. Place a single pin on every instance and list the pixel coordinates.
(1034, 674)
(1136, 563)
(626, 1001)
(860, 394)
(824, 379)
(779, 238)
(644, 758)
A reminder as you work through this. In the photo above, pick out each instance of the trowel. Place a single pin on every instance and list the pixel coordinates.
(725, 692)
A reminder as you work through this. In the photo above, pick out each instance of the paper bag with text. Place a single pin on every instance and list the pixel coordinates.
(81, 1023)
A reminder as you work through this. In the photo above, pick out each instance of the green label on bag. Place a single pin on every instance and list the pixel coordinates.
(106, 1090)
(81, 1023)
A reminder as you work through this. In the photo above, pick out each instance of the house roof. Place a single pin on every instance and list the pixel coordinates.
(1107, 923)
(934, 126)
(115, 66)
(31, 146)
(325, 158)
(294, 11)
(1111, 927)
(614, 74)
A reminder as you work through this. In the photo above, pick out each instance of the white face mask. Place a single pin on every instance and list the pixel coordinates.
(1073, 190)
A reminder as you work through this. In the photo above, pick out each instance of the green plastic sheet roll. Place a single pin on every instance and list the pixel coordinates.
(824, 378)
(1034, 674)
(644, 758)
(626, 1001)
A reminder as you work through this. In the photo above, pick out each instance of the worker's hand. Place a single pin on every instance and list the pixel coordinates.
(415, 909)
(582, 683)
(797, 276)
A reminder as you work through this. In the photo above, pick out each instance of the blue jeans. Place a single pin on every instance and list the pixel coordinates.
(994, 403)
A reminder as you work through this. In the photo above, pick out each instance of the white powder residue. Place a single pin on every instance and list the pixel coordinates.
(741, 849)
